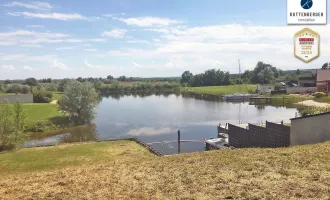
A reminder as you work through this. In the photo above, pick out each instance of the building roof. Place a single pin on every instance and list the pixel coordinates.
(326, 113)
(323, 75)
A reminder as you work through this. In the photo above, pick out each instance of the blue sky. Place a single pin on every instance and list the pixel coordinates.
(145, 38)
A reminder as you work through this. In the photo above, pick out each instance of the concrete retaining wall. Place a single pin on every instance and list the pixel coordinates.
(295, 90)
(310, 130)
(22, 98)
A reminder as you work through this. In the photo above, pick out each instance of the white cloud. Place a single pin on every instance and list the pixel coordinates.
(93, 50)
(23, 57)
(56, 16)
(97, 40)
(31, 45)
(8, 67)
(148, 21)
(64, 48)
(138, 41)
(7, 43)
(35, 26)
(28, 68)
(93, 67)
(32, 33)
(158, 30)
(33, 38)
(136, 64)
(115, 33)
(34, 5)
(87, 64)
(87, 45)
(60, 65)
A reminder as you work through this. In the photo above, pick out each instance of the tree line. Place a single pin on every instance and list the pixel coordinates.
(262, 73)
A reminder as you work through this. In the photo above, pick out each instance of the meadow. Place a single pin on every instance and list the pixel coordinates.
(125, 170)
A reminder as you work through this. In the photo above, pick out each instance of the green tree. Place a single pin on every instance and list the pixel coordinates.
(298, 72)
(14, 88)
(7, 82)
(109, 77)
(79, 101)
(18, 137)
(31, 82)
(186, 77)
(63, 84)
(6, 123)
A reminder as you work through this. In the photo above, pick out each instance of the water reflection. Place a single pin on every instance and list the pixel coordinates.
(157, 118)
(80, 134)
(76, 134)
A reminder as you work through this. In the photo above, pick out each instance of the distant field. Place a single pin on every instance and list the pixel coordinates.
(125, 170)
(220, 90)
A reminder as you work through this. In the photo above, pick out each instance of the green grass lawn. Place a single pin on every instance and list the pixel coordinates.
(43, 112)
(125, 170)
(323, 99)
(57, 95)
(220, 90)
(40, 111)
(48, 158)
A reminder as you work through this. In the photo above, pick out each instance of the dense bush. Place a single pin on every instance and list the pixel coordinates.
(42, 96)
(13, 88)
(41, 126)
(313, 110)
(25, 89)
(2, 88)
(319, 94)
(138, 87)
(210, 77)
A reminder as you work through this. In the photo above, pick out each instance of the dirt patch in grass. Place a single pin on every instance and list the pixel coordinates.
(121, 170)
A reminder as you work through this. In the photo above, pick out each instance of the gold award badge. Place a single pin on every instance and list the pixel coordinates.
(306, 45)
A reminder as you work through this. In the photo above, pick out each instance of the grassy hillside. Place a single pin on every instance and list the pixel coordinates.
(124, 170)
(220, 90)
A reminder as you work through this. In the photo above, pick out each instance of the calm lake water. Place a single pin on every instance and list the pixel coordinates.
(156, 119)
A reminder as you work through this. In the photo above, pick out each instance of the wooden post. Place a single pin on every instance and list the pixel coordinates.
(179, 141)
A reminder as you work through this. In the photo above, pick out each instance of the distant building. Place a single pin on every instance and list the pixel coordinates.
(323, 80)
(265, 88)
(307, 82)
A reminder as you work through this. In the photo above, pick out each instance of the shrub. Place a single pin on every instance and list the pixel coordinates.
(42, 126)
(14, 88)
(42, 96)
(25, 89)
(12, 120)
(319, 94)
(2, 88)
(313, 110)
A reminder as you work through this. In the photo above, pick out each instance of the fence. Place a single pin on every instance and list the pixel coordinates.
(273, 135)
(22, 98)
(295, 90)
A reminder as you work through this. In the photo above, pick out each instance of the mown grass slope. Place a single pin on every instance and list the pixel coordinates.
(124, 170)
(220, 90)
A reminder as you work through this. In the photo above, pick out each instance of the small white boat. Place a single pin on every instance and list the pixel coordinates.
(217, 143)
